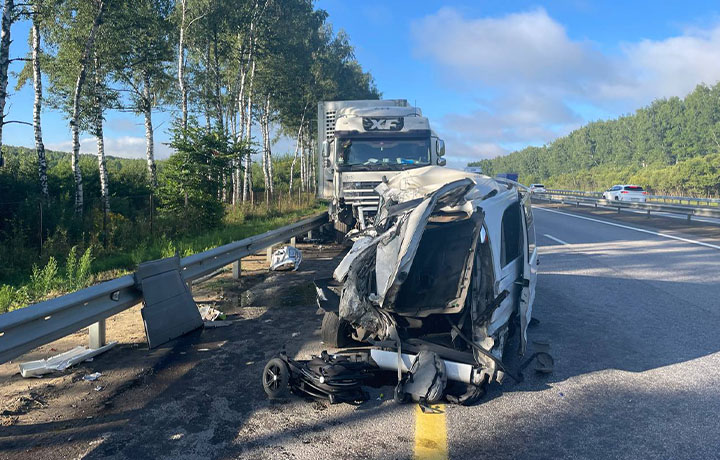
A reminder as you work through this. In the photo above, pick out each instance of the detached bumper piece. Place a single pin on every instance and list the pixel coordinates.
(334, 378)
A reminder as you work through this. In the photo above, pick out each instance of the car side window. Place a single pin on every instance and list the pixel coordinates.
(511, 243)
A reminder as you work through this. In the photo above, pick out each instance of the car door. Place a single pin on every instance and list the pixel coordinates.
(510, 266)
(529, 274)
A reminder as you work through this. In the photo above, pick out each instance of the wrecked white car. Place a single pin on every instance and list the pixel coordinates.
(449, 267)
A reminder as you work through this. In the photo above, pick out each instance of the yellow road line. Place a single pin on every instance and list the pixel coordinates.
(430, 434)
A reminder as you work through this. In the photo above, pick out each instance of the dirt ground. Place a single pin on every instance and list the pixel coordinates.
(63, 404)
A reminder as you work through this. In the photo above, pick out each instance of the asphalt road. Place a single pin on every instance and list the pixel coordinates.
(632, 318)
(633, 322)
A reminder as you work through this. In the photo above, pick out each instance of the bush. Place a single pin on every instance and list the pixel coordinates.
(43, 280)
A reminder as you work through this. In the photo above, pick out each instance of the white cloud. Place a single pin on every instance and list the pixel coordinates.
(526, 48)
(535, 73)
(123, 146)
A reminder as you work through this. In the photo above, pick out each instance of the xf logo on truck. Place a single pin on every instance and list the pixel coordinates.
(382, 124)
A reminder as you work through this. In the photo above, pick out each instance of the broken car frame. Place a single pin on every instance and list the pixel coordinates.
(450, 265)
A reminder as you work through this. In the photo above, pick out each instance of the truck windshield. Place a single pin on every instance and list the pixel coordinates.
(379, 153)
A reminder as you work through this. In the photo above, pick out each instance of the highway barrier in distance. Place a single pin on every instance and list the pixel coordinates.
(574, 197)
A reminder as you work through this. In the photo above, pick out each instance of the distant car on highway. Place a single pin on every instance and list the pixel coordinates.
(626, 193)
(537, 188)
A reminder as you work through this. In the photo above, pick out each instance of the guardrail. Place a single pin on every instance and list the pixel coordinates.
(688, 211)
(35, 325)
(663, 198)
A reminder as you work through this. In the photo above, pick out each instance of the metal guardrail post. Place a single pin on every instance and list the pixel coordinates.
(97, 334)
(237, 269)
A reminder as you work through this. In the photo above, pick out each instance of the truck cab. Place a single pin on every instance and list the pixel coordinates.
(364, 143)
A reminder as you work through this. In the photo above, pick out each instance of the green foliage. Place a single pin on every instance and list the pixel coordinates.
(43, 280)
(192, 178)
(670, 147)
(78, 272)
(12, 298)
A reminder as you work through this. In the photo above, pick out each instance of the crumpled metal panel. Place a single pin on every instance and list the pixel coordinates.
(169, 310)
(380, 262)
(286, 258)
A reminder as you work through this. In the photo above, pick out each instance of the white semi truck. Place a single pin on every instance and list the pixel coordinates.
(363, 143)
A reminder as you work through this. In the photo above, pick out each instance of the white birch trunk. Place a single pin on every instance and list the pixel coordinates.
(75, 160)
(7, 20)
(263, 132)
(247, 176)
(269, 147)
(149, 134)
(181, 65)
(297, 147)
(100, 137)
(37, 107)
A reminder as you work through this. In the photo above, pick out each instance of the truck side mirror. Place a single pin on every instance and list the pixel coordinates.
(325, 149)
(440, 148)
(441, 161)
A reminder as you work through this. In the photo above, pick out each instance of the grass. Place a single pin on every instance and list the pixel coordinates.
(78, 272)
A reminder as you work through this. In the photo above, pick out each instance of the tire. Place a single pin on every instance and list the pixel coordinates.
(335, 332)
(276, 379)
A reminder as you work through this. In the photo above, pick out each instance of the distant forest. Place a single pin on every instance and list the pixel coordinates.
(671, 146)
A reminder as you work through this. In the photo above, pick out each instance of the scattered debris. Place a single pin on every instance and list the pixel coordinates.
(99, 388)
(209, 313)
(217, 323)
(295, 334)
(286, 258)
(62, 361)
(92, 377)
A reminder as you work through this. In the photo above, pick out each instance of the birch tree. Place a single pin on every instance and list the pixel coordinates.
(98, 117)
(37, 103)
(75, 116)
(142, 64)
(32, 69)
(187, 18)
(8, 17)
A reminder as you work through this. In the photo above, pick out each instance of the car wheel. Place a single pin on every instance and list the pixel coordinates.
(334, 331)
(276, 379)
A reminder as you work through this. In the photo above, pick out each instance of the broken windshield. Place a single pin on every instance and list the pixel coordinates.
(382, 153)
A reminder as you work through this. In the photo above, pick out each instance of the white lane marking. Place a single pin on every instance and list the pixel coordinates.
(558, 240)
(664, 235)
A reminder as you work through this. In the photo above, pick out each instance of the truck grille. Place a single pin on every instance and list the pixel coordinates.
(361, 194)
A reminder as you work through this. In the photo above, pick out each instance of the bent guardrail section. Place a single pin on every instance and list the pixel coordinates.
(35, 325)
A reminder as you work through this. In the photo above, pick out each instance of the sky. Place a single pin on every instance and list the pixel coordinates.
(493, 77)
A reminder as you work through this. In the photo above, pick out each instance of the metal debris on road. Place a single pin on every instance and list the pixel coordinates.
(209, 313)
(62, 361)
(286, 258)
(92, 377)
